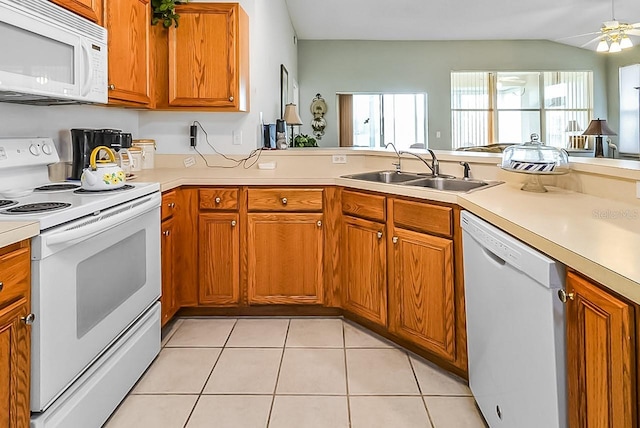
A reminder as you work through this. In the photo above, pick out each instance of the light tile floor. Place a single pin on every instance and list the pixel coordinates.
(291, 373)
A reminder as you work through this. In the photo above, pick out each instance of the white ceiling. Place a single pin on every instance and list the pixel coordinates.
(457, 19)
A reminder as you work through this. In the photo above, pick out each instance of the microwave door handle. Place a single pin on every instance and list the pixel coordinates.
(100, 225)
(88, 68)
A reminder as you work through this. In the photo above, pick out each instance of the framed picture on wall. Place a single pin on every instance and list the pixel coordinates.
(284, 89)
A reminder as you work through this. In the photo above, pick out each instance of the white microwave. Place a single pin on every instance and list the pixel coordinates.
(49, 55)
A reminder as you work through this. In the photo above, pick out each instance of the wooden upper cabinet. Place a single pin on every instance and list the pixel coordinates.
(364, 269)
(90, 9)
(128, 23)
(421, 292)
(208, 58)
(600, 357)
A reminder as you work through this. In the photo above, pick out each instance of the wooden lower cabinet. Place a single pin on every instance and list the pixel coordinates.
(284, 258)
(421, 292)
(168, 301)
(219, 258)
(364, 269)
(15, 342)
(601, 358)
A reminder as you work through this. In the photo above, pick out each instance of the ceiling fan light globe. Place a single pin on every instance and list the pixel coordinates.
(615, 47)
(626, 43)
(603, 46)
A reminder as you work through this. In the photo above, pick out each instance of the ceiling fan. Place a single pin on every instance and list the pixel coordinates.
(613, 36)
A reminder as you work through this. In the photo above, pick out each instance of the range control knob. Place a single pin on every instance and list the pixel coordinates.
(34, 149)
(46, 149)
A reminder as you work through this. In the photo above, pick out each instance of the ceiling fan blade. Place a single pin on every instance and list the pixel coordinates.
(636, 25)
(579, 35)
(591, 41)
(634, 32)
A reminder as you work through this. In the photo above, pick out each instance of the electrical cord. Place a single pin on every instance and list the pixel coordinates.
(238, 162)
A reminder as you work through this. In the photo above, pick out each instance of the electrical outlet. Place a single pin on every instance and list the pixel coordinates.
(189, 162)
(339, 158)
(237, 138)
(438, 134)
(638, 189)
(193, 135)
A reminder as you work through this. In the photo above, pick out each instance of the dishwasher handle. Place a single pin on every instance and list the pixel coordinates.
(493, 257)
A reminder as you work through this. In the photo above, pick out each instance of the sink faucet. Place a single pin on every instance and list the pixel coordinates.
(435, 165)
(467, 169)
(396, 164)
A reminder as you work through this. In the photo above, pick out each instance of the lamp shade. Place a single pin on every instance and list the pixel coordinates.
(291, 115)
(598, 127)
(573, 126)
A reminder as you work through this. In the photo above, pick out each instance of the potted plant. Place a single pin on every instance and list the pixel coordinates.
(303, 140)
(165, 11)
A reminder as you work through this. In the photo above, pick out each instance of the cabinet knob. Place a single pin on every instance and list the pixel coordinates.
(230, 98)
(166, 233)
(218, 200)
(233, 223)
(112, 87)
(319, 223)
(394, 239)
(379, 235)
(29, 319)
(284, 201)
(564, 296)
(171, 205)
(1, 285)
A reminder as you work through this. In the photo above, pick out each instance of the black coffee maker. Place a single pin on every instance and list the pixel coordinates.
(84, 141)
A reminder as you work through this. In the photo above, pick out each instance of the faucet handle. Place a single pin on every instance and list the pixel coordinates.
(397, 165)
(467, 169)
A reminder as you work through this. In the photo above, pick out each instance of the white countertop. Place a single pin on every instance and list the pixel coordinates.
(16, 231)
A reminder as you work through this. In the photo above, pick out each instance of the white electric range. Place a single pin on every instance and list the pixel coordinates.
(95, 276)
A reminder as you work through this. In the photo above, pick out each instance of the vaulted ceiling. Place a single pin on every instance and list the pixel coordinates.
(556, 20)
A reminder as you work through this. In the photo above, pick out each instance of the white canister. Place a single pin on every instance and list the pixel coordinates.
(135, 155)
(148, 152)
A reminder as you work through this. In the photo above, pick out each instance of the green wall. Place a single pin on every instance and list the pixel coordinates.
(329, 67)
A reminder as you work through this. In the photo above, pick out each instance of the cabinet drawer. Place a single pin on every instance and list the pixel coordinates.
(15, 269)
(423, 217)
(168, 204)
(364, 205)
(219, 198)
(285, 199)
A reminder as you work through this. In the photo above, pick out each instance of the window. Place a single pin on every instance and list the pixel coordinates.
(506, 107)
(630, 109)
(373, 120)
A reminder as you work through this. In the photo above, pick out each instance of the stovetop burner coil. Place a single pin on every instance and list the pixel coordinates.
(55, 187)
(37, 208)
(97, 192)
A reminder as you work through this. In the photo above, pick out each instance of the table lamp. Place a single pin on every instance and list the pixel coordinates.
(598, 128)
(292, 118)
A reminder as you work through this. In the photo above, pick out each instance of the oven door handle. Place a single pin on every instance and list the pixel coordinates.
(102, 223)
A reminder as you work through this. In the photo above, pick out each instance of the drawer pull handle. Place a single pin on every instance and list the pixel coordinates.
(319, 223)
(218, 200)
(284, 201)
(564, 296)
(233, 223)
(29, 319)
(379, 235)
(394, 239)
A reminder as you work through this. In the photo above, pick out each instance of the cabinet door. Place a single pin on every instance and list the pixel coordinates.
(600, 357)
(14, 365)
(421, 292)
(128, 22)
(219, 258)
(205, 54)
(364, 269)
(90, 9)
(285, 258)
(168, 301)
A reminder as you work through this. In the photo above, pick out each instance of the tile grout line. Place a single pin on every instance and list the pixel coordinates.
(424, 403)
(275, 388)
(346, 373)
(210, 373)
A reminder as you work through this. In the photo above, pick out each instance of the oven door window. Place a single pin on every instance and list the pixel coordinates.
(100, 291)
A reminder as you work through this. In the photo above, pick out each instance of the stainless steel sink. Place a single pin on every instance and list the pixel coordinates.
(451, 184)
(389, 177)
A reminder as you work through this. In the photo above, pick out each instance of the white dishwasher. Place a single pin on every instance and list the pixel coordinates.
(515, 329)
